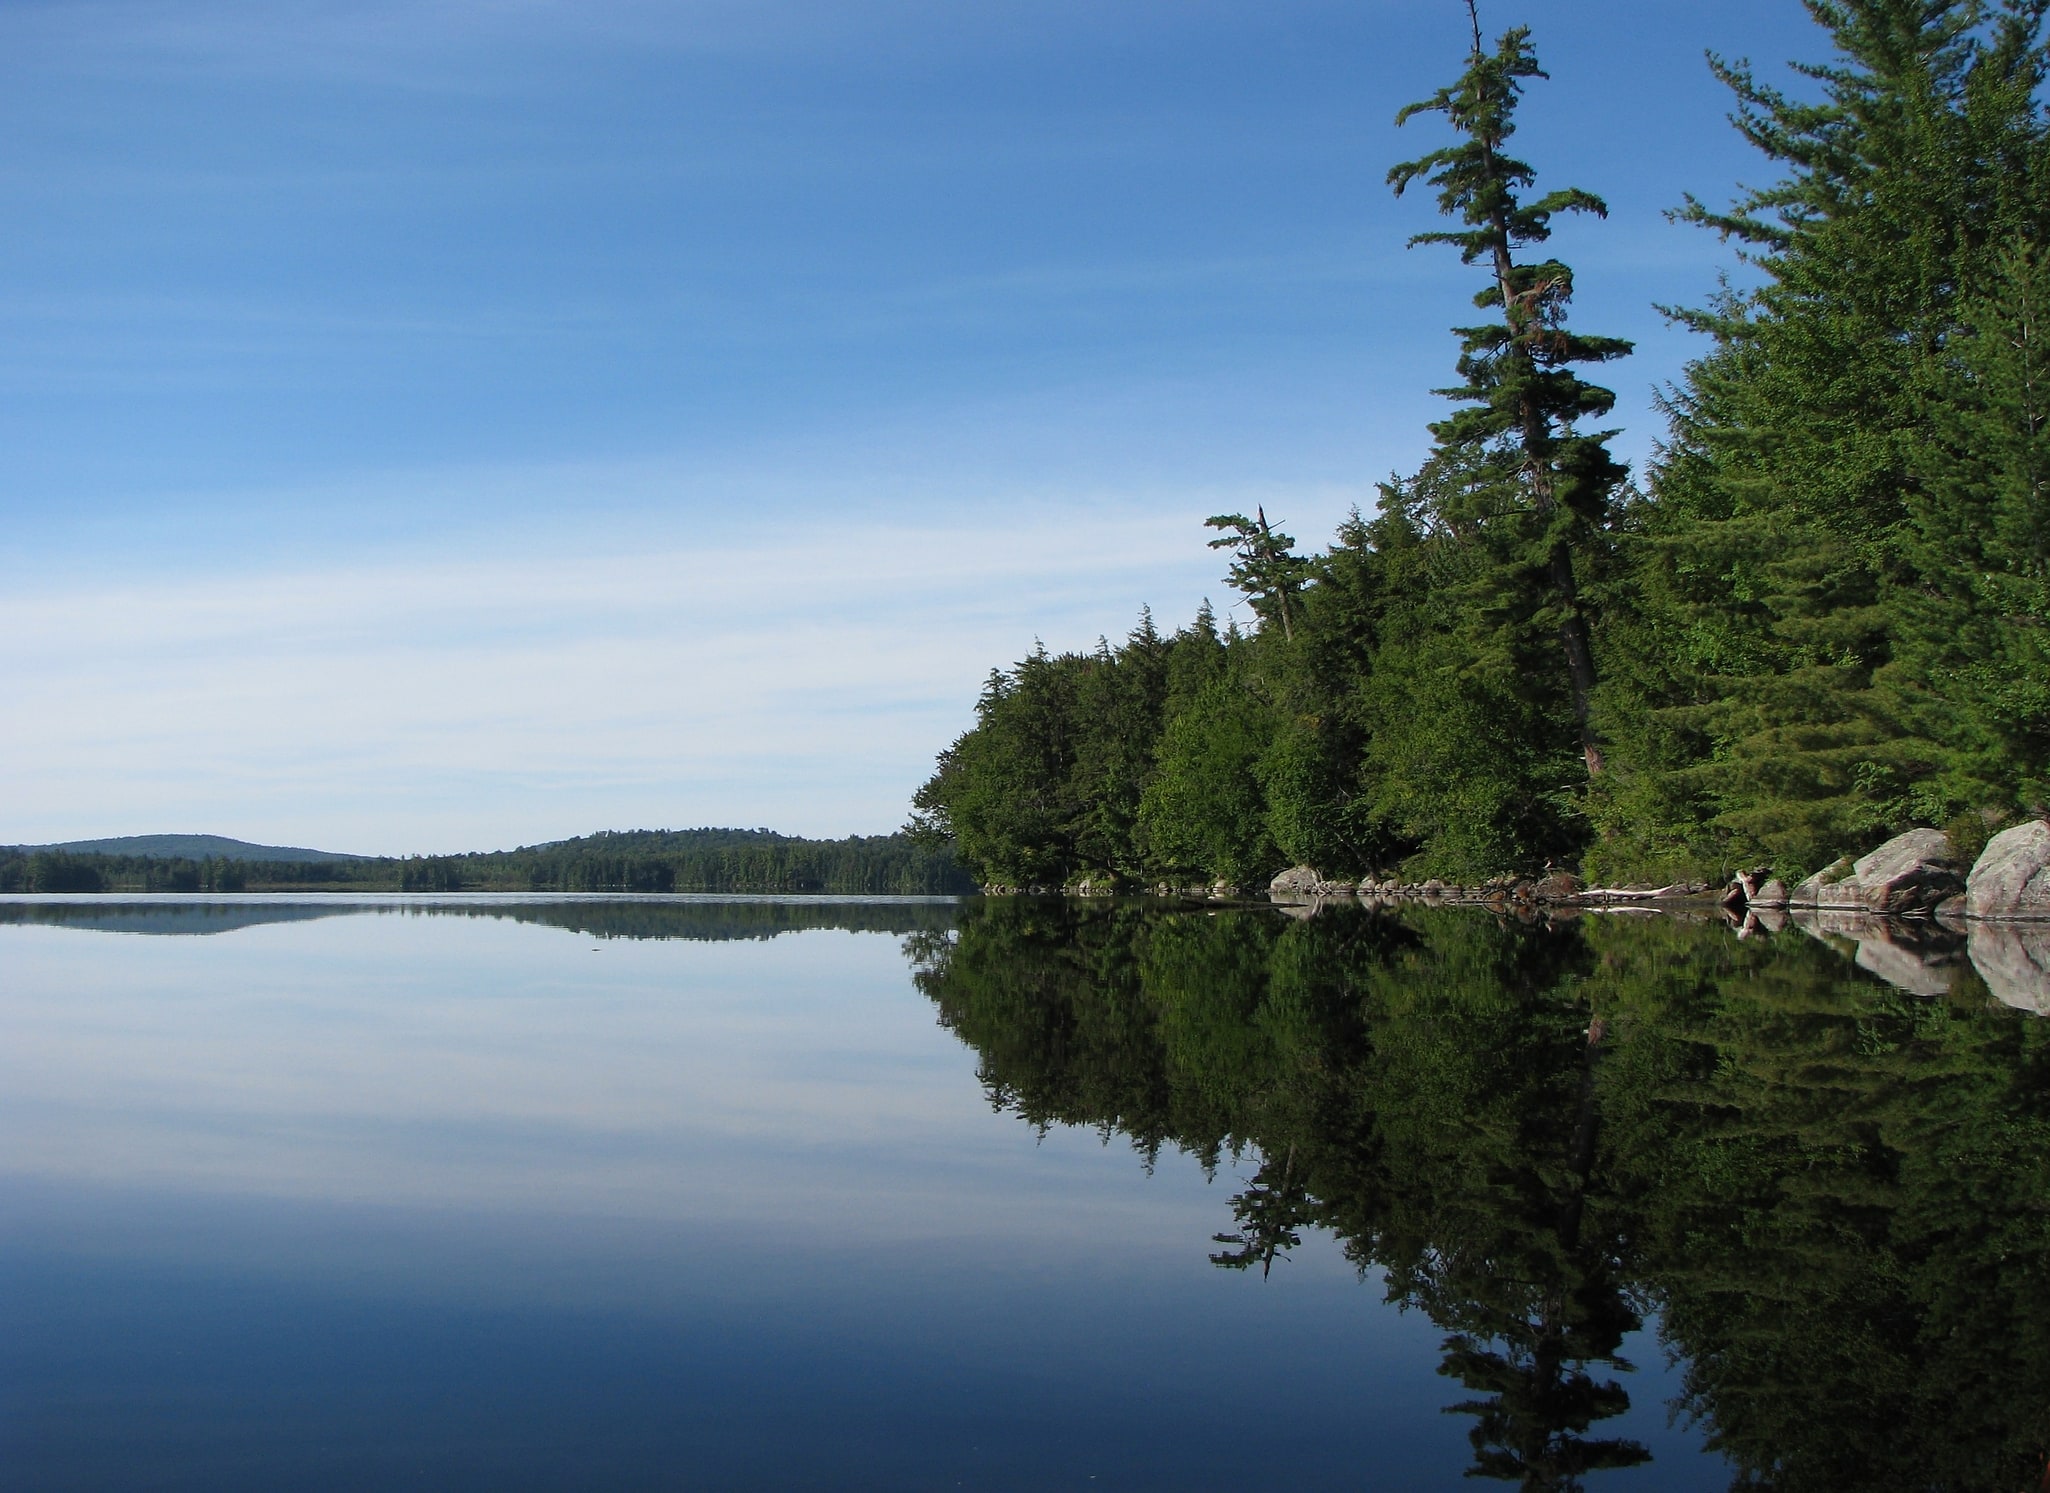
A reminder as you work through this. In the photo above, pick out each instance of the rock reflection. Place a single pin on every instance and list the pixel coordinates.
(1917, 955)
(2014, 961)
(1926, 957)
(1834, 1196)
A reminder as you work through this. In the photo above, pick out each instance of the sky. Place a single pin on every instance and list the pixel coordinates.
(456, 424)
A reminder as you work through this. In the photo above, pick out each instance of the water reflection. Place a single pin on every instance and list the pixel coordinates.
(690, 1161)
(2009, 961)
(699, 918)
(1834, 1193)
(438, 1201)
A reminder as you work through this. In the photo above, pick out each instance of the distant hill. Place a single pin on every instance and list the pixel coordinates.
(198, 848)
(756, 861)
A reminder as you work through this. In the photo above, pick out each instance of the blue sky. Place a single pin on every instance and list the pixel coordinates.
(460, 423)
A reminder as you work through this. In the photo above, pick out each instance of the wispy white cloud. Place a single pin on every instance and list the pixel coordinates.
(801, 675)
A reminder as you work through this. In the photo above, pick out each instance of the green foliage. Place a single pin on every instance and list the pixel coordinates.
(1813, 657)
(1514, 478)
(1973, 638)
(1204, 810)
(1267, 569)
(57, 871)
(1824, 619)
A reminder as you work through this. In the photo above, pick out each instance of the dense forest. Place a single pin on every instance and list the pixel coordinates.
(1826, 1193)
(1816, 619)
(697, 860)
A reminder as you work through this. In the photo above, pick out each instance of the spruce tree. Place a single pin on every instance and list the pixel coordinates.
(1774, 708)
(1530, 486)
(1972, 649)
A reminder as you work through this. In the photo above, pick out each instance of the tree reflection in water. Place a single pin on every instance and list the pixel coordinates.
(1834, 1195)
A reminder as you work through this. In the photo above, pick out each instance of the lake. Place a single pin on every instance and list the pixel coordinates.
(606, 1193)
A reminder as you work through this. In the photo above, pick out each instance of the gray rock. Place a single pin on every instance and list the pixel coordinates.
(1832, 886)
(2014, 961)
(2012, 877)
(1772, 894)
(1910, 873)
(1296, 881)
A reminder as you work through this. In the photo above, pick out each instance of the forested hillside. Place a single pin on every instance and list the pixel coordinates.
(696, 860)
(1817, 619)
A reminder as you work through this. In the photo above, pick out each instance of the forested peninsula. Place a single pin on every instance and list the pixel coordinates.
(1815, 620)
(695, 860)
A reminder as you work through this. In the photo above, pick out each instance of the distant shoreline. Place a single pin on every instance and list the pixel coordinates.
(636, 861)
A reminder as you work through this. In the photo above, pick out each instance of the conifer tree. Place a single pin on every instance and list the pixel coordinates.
(1532, 485)
(1973, 639)
(1779, 563)
(1267, 569)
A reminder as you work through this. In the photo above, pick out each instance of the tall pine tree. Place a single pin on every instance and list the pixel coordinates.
(1528, 485)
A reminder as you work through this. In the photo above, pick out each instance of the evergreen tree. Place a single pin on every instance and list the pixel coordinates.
(1973, 637)
(1527, 480)
(1766, 711)
(1267, 569)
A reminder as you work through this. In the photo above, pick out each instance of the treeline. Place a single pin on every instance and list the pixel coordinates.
(1821, 617)
(706, 921)
(1829, 1194)
(702, 860)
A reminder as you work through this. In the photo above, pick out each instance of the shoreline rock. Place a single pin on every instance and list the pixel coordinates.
(1911, 875)
(2011, 878)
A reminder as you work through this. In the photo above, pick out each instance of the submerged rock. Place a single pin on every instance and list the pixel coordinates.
(2012, 877)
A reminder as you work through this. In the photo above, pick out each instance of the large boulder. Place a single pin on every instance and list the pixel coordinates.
(2012, 877)
(1296, 881)
(1909, 874)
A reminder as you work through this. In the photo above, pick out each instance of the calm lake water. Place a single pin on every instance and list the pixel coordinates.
(508, 1193)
